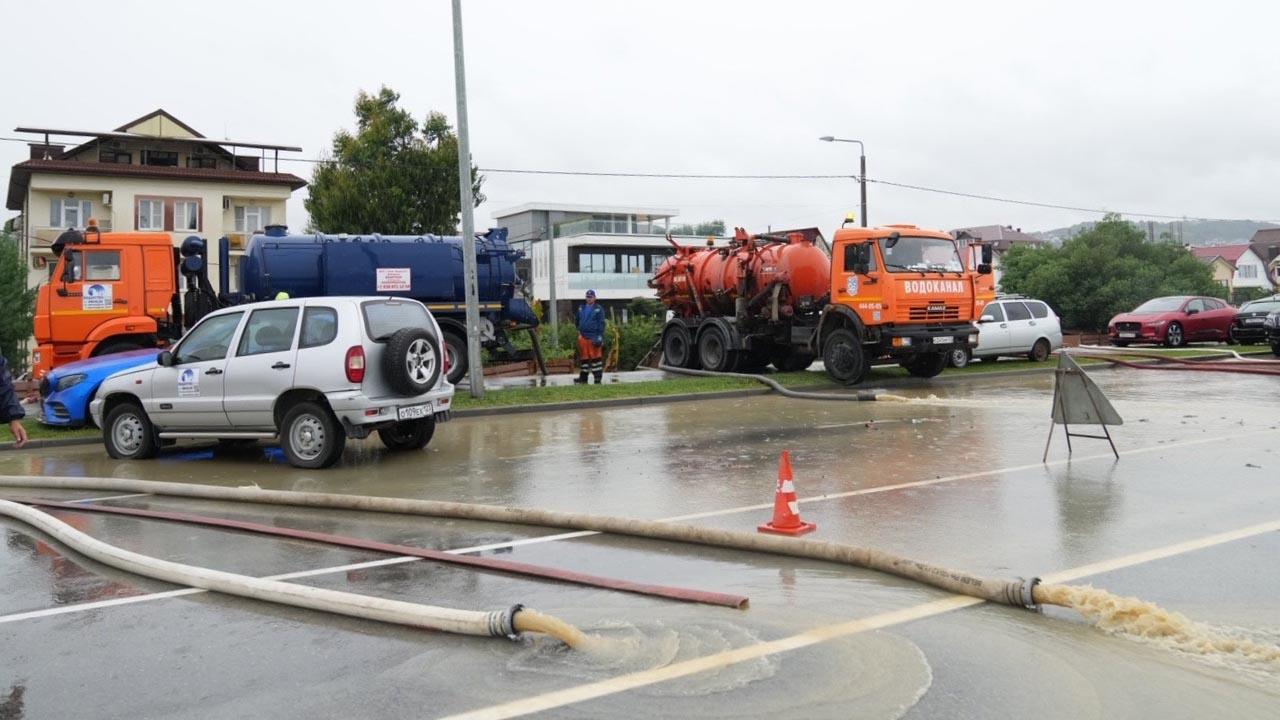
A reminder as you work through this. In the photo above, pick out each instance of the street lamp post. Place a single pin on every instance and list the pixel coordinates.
(862, 170)
(468, 205)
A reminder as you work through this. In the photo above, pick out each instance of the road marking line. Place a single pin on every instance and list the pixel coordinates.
(585, 533)
(110, 497)
(813, 636)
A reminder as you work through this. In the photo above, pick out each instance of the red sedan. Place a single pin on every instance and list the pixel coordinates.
(1174, 321)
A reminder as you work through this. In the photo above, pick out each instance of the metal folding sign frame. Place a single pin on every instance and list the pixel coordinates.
(1078, 401)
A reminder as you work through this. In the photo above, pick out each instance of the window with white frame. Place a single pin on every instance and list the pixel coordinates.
(186, 215)
(252, 218)
(151, 214)
(1247, 272)
(69, 212)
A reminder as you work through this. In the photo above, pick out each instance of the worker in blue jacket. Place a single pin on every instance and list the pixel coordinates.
(590, 340)
(11, 407)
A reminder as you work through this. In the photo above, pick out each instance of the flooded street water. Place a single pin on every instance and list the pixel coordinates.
(1185, 519)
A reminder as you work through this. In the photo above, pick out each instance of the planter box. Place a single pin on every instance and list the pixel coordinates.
(528, 367)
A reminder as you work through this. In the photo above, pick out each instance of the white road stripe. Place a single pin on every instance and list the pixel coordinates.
(813, 636)
(585, 533)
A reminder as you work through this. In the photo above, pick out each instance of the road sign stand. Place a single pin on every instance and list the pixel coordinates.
(1077, 400)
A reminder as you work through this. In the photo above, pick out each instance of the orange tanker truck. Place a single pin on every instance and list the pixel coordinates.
(896, 291)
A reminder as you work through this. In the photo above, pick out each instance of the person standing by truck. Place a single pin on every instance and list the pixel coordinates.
(10, 407)
(590, 340)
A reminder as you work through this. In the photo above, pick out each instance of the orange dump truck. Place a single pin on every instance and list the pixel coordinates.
(113, 292)
(896, 291)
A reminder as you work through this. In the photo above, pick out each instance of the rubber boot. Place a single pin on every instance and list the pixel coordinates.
(598, 375)
(581, 379)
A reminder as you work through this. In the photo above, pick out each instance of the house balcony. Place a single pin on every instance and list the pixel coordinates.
(609, 281)
(44, 236)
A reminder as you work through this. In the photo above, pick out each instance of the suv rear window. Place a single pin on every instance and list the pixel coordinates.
(1038, 309)
(319, 327)
(382, 318)
(1017, 311)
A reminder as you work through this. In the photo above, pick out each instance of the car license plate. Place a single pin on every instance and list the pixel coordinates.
(1253, 321)
(1128, 335)
(943, 340)
(413, 412)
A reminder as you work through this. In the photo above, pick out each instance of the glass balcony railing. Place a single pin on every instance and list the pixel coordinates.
(609, 281)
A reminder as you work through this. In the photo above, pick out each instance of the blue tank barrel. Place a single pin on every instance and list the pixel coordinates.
(428, 268)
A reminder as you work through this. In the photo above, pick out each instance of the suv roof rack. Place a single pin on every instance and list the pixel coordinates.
(1011, 296)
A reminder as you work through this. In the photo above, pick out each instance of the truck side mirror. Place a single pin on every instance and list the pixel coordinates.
(165, 359)
(984, 268)
(986, 254)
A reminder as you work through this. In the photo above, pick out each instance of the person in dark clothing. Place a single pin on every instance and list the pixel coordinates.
(590, 340)
(11, 407)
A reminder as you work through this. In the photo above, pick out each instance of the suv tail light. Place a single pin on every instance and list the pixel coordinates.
(447, 364)
(355, 364)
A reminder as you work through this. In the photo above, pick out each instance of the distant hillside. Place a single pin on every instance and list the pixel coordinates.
(1194, 232)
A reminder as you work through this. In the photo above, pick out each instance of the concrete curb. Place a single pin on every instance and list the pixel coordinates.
(51, 442)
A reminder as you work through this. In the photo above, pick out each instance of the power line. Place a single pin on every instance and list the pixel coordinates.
(690, 176)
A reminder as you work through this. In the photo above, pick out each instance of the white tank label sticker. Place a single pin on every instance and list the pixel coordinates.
(189, 383)
(96, 297)
(393, 280)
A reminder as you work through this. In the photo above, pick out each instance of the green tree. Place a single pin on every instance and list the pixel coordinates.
(393, 175)
(1105, 270)
(18, 302)
(708, 227)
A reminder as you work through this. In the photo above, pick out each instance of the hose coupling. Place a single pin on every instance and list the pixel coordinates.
(867, 395)
(503, 623)
(1028, 594)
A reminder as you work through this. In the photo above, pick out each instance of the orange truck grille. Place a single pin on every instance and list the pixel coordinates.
(933, 311)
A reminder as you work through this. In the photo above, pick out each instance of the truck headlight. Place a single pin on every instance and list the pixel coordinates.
(973, 339)
(70, 381)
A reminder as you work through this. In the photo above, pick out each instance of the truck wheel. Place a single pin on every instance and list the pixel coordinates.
(408, 435)
(111, 347)
(789, 359)
(714, 352)
(455, 349)
(926, 365)
(411, 361)
(129, 434)
(677, 346)
(960, 357)
(311, 437)
(846, 360)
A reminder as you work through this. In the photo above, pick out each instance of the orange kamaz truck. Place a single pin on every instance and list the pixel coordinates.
(897, 291)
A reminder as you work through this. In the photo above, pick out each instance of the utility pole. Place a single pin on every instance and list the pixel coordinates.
(475, 370)
(862, 170)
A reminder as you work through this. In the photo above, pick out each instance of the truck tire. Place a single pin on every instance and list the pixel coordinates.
(456, 348)
(408, 435)
(411, 361)
(791, 359)
(926, 365)
(677, 346)
(846, 360)
(311, 437)
(713, 350)
(128, 433)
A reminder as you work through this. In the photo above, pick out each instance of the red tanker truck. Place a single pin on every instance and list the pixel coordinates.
(897, 291)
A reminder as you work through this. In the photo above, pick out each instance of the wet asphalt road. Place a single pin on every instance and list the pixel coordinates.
(1200, 455)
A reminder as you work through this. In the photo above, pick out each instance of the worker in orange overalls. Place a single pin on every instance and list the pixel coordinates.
(590, 340)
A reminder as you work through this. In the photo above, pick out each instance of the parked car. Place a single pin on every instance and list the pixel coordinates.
(311, 372)
(1013, 325)
(1173, 321)
(1272, 325)
(65, 391)
(1247, 328)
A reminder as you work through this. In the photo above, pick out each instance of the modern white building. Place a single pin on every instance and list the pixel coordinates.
(570, 249)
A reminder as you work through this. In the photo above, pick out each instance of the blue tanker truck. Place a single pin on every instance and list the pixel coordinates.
(427, 268)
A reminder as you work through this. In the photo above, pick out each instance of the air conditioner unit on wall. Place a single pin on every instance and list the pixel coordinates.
(106, 198)
(226, 203)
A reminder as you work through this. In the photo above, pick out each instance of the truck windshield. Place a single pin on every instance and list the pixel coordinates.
(920, 254)
(382, 318)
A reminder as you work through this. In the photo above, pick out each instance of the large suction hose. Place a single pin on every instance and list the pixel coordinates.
(502, 623)
(1018, 592)
(857, 396)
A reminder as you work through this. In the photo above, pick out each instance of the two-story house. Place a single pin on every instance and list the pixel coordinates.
(1235, 266)
(1001, 238)
(1265, 243)
(153, 174)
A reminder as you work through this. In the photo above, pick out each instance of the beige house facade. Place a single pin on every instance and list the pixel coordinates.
(153, 174)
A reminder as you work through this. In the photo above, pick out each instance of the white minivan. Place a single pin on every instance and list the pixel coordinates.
(1012, 325)
(311, 372)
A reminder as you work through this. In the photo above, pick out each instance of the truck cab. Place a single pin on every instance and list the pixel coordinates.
(106, 293)
(900, 291)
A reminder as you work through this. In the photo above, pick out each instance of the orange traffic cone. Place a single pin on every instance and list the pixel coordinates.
(786, 514)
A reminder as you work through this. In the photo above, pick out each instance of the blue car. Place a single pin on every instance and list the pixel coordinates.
(66, 391)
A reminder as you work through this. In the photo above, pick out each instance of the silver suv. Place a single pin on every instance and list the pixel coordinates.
(310, 372)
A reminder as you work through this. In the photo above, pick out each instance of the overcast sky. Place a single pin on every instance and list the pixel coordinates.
(1162, 109)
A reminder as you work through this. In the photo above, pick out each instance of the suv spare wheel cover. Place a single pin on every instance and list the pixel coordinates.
(411, 361)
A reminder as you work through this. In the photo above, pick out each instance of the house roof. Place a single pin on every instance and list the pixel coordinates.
(20, 177)
(1002, 237)
(1230, 253)
(1266, 235)
(160, 112)
(586, 209)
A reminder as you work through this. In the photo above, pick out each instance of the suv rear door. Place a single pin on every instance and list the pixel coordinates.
(262, 368)
(381, 319)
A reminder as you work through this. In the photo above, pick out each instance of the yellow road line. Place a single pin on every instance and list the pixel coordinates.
(813, 636)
